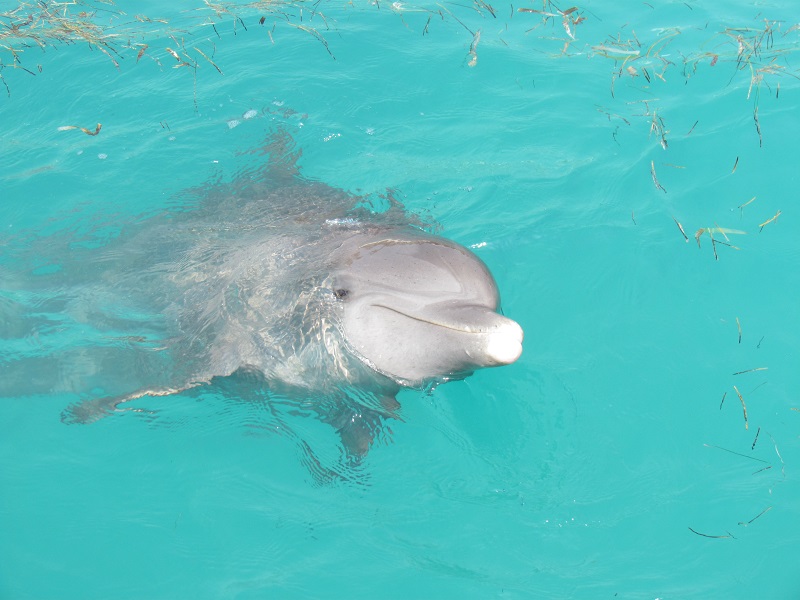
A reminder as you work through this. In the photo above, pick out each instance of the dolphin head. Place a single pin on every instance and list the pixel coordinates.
(419, 308)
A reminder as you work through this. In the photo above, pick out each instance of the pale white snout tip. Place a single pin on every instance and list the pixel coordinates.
(504, 345)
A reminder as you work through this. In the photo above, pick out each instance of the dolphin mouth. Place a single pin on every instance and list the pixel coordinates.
(503, 337)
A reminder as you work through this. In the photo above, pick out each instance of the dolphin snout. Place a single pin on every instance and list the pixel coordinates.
(504, 343)
(497, 339)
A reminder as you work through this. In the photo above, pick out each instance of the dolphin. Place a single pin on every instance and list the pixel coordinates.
(306, 288)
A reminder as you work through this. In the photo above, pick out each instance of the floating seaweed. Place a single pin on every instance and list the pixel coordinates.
(105, 27)
(83, 129)
(768, 221)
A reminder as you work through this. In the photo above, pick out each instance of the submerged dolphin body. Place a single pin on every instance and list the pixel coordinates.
(302, 285)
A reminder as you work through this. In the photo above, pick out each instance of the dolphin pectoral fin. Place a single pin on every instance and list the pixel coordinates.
(390, 405)
(357, 436)
(89, 411)
(358, 428)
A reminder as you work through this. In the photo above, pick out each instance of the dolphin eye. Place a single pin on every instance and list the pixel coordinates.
(341, 293)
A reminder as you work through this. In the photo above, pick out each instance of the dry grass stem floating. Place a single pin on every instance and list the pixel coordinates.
(739, 327)
(685, 237)
(744, 408)
(723, 230)
(483, 5)
(766, 510)
(665, 40)
(181, 62)
(719, 537)
(568, 21)
(657, 127)
(83, 129)
(723, 400)
(737, 453)
(655, 179)
(752, 370)
(609, 115)
(565, 21)
(209, 60)
(783, 464)
(615, 53)
(758, 127)
(741, 206)
(768, 221)
(473, 48)
(316, 34)
(753, 447)
(533, 10)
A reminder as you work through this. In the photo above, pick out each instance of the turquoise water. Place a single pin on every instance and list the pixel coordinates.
(576, 472)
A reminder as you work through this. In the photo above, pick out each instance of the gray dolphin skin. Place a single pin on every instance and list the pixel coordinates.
(307, 288)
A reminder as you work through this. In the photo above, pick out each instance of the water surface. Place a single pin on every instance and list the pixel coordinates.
(605, 463)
